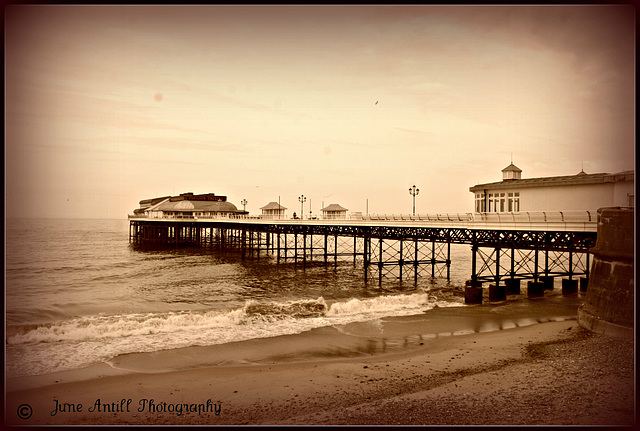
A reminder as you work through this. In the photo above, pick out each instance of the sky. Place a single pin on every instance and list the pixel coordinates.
(109, 105)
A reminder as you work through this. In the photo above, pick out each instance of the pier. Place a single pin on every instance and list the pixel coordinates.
(504, 252)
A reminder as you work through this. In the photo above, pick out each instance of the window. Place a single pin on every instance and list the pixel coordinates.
(480, 204)
(513, 202)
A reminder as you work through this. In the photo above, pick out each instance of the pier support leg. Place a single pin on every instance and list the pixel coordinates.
(497, 292)
(547, 281)
(365, 255)
(535, 289)
(513, 286)
(415, 260)
(380, 262)
(569, 286)
(473, 292)
(278, 258)
(285, 247)
(355, 249)
(448, 261)
(325, 248)
(584, 282)
(400, 262)
(244, 242)
(433, 259)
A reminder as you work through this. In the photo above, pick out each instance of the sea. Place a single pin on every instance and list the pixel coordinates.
(77, 293)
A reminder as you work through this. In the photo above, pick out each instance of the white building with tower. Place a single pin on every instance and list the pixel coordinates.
(561, 193)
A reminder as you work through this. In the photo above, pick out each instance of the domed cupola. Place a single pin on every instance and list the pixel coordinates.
(511, 172)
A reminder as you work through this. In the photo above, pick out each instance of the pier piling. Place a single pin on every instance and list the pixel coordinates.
(502, 258)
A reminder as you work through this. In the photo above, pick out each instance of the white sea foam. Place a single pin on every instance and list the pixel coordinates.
(82, 341)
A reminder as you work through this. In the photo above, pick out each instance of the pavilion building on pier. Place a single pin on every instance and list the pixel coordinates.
(560, 193)
(188, 206)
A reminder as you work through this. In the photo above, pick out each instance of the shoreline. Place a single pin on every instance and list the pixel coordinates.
(543, 373)
(372, 337)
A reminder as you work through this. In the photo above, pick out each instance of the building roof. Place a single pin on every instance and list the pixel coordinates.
(565, 180)
(187, 205)
(152, 201)
(333, 207)
(512, 167)
(273, 206)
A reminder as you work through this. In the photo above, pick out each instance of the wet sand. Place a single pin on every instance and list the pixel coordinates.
(521, 362)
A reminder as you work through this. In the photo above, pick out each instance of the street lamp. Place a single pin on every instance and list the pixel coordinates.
(244, 204)
(302, 199)
(413, 191)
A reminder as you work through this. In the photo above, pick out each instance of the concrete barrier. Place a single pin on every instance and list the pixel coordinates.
(609, 301)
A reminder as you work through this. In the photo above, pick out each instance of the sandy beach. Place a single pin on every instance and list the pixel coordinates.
(524, 362)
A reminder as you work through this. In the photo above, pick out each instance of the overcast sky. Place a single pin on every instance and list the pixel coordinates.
(108, 105)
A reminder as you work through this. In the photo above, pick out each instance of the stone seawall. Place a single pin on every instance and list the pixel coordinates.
(609, 304)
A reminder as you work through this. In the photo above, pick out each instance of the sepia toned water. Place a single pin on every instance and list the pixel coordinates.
(77, 293)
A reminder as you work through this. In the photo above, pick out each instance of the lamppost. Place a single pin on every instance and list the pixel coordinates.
(302, 199)
(244, 204)
(413, 191)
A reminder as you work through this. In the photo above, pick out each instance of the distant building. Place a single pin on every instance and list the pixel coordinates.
(145, 204)
(188, 205)
(562, 193)
(334, 212)
(273, 210)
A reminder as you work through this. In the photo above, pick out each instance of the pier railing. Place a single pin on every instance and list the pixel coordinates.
(585, 220)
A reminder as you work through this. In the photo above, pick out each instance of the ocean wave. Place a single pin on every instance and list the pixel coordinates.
(86, 340)
(252, 313)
